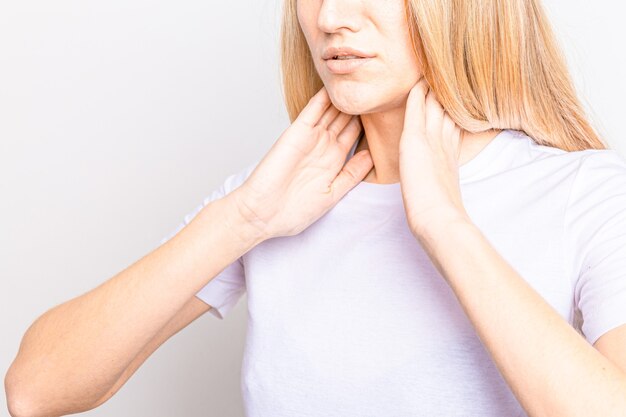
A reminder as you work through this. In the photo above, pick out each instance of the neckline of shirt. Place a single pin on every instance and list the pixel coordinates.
(469, 171)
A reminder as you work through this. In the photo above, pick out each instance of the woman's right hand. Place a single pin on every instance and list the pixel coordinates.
(305, 172)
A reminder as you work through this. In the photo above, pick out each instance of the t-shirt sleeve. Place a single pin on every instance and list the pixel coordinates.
(595, 240)
(224, 291)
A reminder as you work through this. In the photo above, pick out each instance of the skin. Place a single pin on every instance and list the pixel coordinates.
(411, 138)
(377, 91)
(66, 364)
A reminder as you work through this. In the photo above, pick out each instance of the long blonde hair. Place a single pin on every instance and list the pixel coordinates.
(492, 64)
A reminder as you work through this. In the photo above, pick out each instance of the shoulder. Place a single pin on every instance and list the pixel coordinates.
(600, 172)
(599, 162)
(589, 164)
(598, 190)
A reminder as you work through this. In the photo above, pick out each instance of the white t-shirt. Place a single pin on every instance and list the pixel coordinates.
(351, 318)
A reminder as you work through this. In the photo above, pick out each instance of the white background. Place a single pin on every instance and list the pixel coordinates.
(117, 118)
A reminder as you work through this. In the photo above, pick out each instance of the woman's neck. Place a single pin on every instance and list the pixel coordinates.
(382, 132)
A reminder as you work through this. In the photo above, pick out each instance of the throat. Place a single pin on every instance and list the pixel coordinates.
(372, 176)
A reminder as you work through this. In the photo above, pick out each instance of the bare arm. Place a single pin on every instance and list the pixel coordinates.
(193, 309)
(549, 367)
(76, 353)
(73, 354)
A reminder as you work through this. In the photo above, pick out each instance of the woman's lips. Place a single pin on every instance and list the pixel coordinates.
(346, 66)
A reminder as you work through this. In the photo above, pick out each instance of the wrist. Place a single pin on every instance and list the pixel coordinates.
(441, 224)
(239, 222)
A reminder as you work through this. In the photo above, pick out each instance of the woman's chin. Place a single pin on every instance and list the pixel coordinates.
(356, 104)
(351, 105)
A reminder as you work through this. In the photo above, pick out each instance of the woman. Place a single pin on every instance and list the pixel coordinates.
(423, 240)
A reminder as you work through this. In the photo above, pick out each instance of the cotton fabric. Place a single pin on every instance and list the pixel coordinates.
(351, 318)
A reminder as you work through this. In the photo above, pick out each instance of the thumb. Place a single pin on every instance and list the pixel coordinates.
(352, 173)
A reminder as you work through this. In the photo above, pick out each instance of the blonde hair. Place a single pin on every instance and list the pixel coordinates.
(492, 65)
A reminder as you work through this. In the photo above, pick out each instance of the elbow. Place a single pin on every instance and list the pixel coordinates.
(17, 409)
(22, 401)
(21, 404)
(17, 404)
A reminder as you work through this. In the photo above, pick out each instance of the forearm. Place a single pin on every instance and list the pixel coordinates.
(72, 354)
(550, 368)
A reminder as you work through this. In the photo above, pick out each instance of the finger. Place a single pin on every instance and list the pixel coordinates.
(448, 125)
(431, 100)
(339, 123)
(329, 115)
(451, 133)
(460, 133)
(434, 114)
(351, 174)
(415, 117)
(314, 109)
(350, 133)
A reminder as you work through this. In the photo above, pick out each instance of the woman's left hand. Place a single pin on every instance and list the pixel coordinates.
(429, 171)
